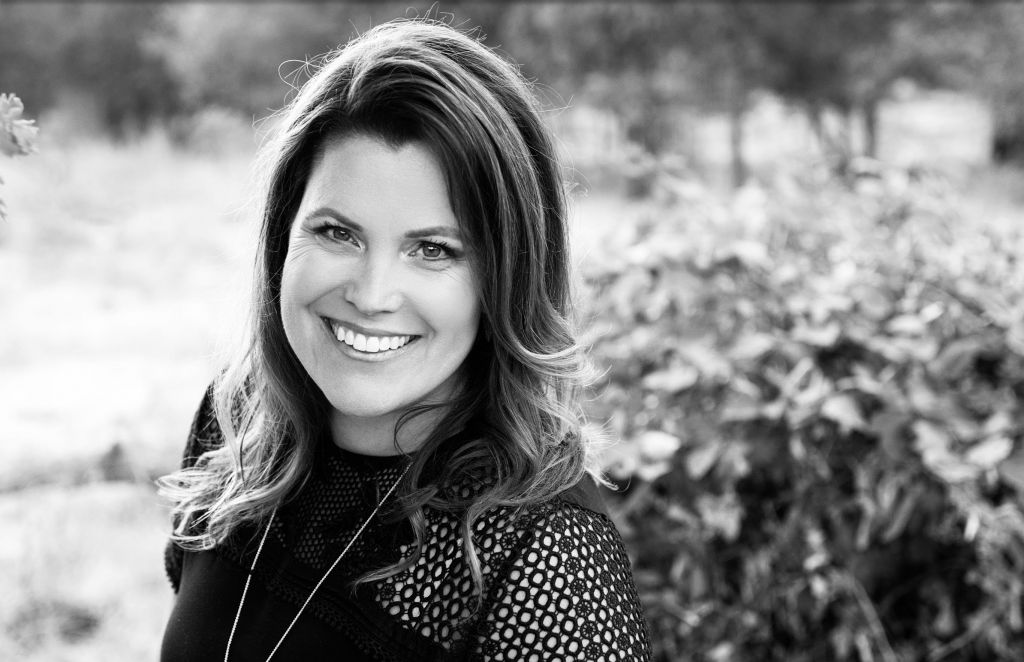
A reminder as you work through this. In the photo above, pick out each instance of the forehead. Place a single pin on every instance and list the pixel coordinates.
(369, 180)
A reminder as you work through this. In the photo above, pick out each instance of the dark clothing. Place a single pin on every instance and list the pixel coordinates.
(557, 583)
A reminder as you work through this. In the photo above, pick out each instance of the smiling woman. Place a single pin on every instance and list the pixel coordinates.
(378, 300)
(394, 467)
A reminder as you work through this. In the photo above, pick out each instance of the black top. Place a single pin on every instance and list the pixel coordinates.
(557, 580)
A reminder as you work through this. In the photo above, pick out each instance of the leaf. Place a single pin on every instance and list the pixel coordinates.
(707, 360)
(1012, 470)
(17, 135)
(818, 336)
(653, 470)
(739, 407)
(906, 325)
(957, 357)
(657, 446)
(1015, 337)
(700, 460)
(931, 440)
(674, 379)
(733, 462)
(922, 396)
(953, 471)
(752, 346)
(900, 518)
(1000, 421)
(749, 253)
(890, 426)
(988, 453)
(722, 514)
(873, 302)
(843, 409)
(933, 443)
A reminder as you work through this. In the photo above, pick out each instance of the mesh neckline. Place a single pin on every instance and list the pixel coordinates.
(364, 464)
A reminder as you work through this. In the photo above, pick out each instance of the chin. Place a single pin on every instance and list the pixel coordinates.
(368, 407)
(361, 408)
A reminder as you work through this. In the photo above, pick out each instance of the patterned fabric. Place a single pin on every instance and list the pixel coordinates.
(557, 580)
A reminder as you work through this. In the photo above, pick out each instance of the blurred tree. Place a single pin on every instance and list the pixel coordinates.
(225, 55)
(31, 39)
(648, 63)
(975, 47)
(842, 57)
(94, 51)
(999, 45)
(611, 54)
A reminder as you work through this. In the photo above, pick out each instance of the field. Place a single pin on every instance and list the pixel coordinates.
(122, 271)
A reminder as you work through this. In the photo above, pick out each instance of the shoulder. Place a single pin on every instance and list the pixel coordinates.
(566, 585)
(573, 532)
(569, 519)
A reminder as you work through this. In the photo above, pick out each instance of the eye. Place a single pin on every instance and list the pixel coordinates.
(339, 234)
(335, 233)
(433, 251)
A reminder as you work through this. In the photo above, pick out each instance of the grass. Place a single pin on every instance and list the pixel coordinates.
(82, 579)
(113, 267)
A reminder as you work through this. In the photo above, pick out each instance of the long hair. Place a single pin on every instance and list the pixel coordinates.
(517, 418)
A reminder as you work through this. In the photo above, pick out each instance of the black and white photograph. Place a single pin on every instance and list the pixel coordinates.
(527, 331)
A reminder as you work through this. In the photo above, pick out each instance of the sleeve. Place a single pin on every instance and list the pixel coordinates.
(203, 435)
(567, 595)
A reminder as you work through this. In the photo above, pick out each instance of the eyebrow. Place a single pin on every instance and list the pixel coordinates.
(433, 231)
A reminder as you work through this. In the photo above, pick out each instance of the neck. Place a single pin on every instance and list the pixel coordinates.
(376, 435)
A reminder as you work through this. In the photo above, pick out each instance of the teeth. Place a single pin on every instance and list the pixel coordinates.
(369, 344)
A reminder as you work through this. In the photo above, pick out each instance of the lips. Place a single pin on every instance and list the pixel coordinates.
(369, 343)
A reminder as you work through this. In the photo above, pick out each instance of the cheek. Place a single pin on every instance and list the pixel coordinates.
(303, 278)
(461, 310)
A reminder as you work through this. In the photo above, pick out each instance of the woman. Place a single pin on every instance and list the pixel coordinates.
(394, 467)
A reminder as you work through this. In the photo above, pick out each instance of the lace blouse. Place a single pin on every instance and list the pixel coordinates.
(557, 581)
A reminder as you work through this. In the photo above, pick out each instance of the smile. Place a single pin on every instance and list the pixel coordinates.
(368, 344)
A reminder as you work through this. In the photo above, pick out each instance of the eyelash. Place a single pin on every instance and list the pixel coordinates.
(448, 251)
(328, 230)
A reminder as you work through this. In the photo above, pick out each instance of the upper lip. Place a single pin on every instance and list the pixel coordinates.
(366, 331)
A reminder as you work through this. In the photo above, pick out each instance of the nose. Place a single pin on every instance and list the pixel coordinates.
(373, 286)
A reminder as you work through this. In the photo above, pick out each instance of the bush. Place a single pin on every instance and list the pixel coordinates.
(819, 386)
(17, 135)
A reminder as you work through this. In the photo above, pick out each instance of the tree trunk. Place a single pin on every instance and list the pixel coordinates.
(846, 138)
(737, 112)
(870, 111)
(817, 125)
(1008, 141)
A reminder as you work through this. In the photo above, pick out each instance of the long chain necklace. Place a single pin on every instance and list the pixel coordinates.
(259, 550)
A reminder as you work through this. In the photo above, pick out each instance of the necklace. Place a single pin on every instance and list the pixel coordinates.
(259, 550)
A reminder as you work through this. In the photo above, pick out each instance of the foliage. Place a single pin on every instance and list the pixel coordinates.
(820, 384)
(17, 135)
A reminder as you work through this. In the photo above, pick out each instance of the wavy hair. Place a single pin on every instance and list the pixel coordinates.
(517, 421)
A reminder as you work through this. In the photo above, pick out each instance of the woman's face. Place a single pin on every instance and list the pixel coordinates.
(377, 296)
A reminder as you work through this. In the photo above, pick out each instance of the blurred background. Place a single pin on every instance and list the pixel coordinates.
(799, 231)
